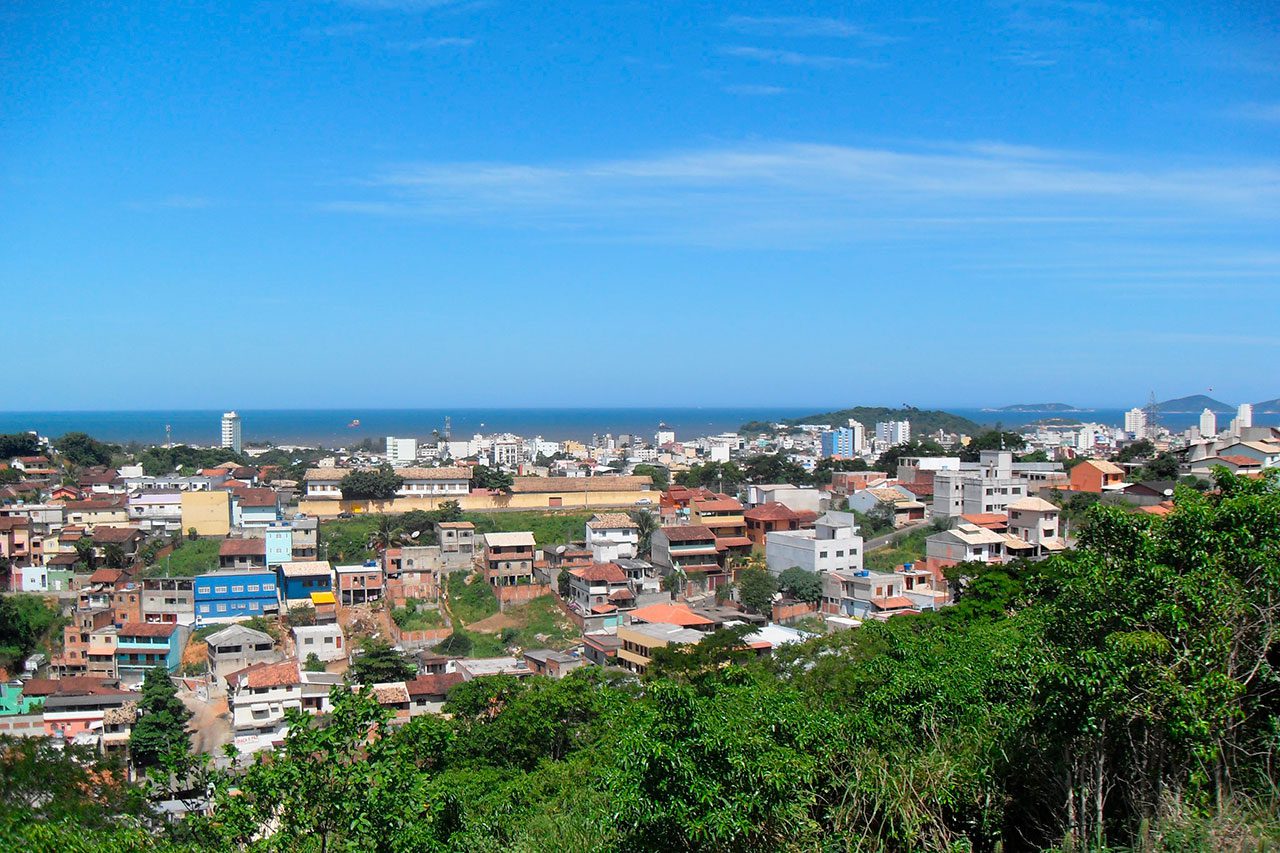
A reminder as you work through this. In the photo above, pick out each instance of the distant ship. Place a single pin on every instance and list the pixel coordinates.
(355, 423)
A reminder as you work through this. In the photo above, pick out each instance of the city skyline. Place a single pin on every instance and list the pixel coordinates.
(493, 204)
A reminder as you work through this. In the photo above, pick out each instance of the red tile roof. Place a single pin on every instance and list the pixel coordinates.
(148, 629)
(670, 614)
(115, 535)
(893, 602)
(1241, 461)
(269, 675)
(436, 684)
(688, 533)
(603, 608)
(772, 511)
(720, 503)
(105, 576)
(243, 548)
(987, 519)
(600, 573)
(257, 497)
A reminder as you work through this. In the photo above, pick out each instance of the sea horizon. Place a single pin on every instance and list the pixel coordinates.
(341, 426)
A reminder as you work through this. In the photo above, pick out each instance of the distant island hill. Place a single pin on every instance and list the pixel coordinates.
(922, 420)
(1039, 407)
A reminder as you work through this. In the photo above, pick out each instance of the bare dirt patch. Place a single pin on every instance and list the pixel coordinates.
(494, 624)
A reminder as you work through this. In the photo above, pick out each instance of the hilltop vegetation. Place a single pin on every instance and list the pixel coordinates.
(1194, 404)
(922, 420)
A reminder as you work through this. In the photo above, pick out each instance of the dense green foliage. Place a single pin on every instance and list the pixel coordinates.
(160, 731)
(18, 444)
(157, 460)
(1124, 695)
(800, 584)
(379, 484)
(922, 420)
(660, 476)
(717, 476)
(756, 588)
(378, 662)
(83, 450)
(483, 477)
(25, 620)
(992, 439)
(470, 598)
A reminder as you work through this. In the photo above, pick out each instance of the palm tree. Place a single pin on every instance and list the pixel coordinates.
(648, 523)
(385, 535)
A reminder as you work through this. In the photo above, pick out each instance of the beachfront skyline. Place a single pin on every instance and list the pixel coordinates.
(375, 201)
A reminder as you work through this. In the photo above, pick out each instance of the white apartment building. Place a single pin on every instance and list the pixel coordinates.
(889, 433)
(665, 435)
(1208, 424)
(324, 641)
(231, 431)
(1035, 522)
(1135, 423)
(987, 486)
(260, 695)
(832, 546)
(401, 452)
(506, 452)
(418, 482)
(612, 536)
(1244, 416)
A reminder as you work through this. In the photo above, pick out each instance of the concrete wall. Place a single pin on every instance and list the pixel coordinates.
(511, 596)
(208, 512)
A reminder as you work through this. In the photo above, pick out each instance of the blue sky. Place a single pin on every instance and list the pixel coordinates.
(418, 203)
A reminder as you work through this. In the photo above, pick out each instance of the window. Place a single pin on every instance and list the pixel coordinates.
(204, 608)
(222, 608)
(220, 589)
(822, 554)
(309, 641)
(239, 588)
(253, 587)
(268, 587)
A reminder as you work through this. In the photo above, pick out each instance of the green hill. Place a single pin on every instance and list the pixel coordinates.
(923, 421)
(1194, 404)
(1037, 407)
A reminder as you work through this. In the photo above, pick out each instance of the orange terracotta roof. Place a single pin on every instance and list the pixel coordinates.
(243, 548)
(670, 614)
(270, 674)
(688, 533)
(893, 602)
(772, 511)
(987, 519)
(1241, 461)
(600, 572)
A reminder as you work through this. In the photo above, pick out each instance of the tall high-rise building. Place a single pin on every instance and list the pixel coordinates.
(889, 433)
(231, 431)
(1135, 423)
(1244, 416)
(1208, 424)
(842, 443)
(666, 435)
(401, 452)
(859, 435)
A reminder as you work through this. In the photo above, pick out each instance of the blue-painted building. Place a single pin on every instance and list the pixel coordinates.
(279, 536)
(143, 645)
(299, 579)
(840, 443)
(225, 596)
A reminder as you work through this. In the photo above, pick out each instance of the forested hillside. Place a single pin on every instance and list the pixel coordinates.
(1124, 695)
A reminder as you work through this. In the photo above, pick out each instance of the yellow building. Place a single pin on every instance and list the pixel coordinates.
(531, 493)
(639, 639)
(208, 512)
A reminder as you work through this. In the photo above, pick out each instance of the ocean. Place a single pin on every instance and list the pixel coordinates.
(331, 427)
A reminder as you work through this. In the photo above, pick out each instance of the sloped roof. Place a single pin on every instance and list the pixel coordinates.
(772, 511)
(519, 539)
(305, 568)
(262, 675)
(612, 520)
(600, 573)
(1104, 466)
(1033, 505)
(434, 684)
(687, 533)
(115, 535)
(238, 634)
(670, 614)
(243, 548)
(893, 602)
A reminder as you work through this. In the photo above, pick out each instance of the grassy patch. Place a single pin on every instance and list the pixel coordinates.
(254, 623)
(542, 617)
(415, 617)
(189, 560)
(346, 540)
(548, 528)
(907, 549)
(470, 602)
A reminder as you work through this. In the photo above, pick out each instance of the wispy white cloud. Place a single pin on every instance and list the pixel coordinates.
(1257, 111)
(400, 5)
(1229, 339)
(173, 202)
(798, 26)
(793, 57)
(1031, 58)
(431, 43)
(756, 90)
(803, 194)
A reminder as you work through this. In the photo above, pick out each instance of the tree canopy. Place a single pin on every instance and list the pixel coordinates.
(83, 450)
(379, 484)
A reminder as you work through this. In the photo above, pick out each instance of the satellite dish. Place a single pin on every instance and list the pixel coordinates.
(414, 534)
